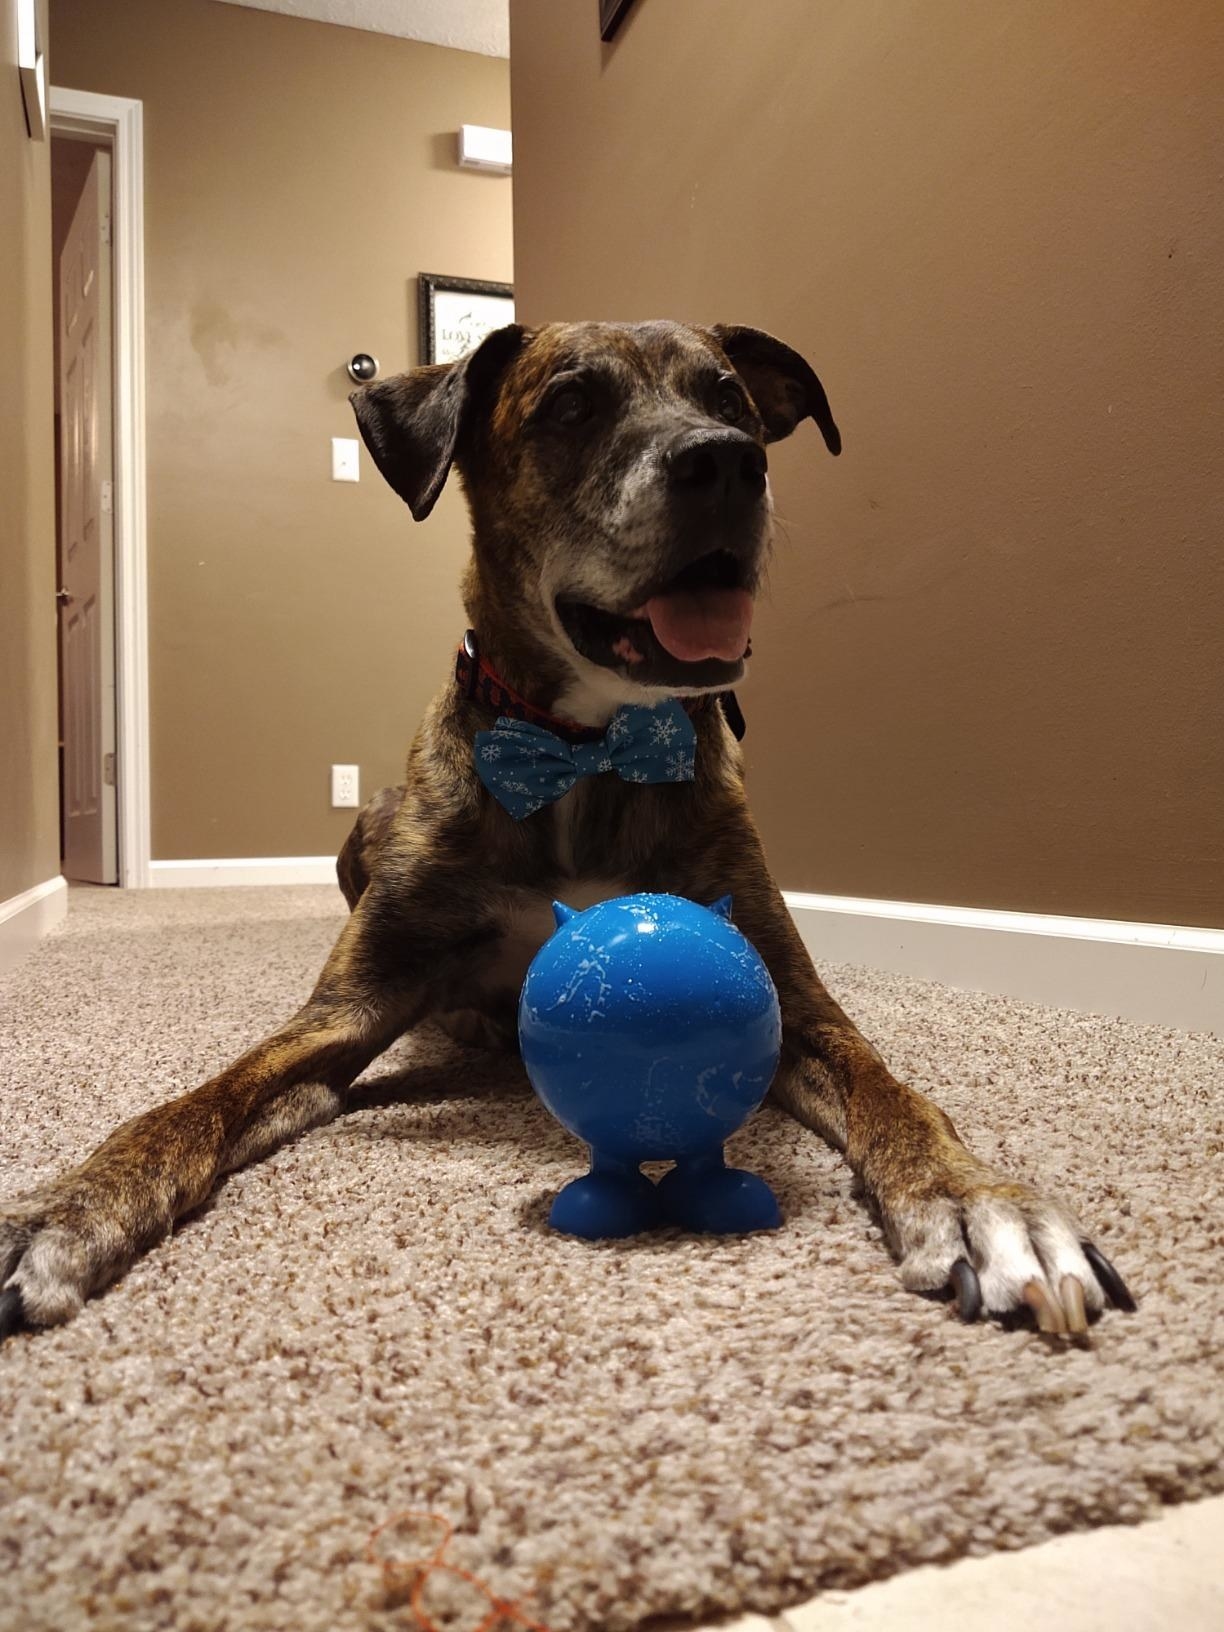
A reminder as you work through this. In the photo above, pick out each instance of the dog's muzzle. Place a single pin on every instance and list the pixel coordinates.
(690, 626)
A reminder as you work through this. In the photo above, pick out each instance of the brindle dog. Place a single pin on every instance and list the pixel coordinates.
(621, 515)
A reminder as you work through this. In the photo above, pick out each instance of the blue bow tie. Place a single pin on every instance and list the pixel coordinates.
(526, 767)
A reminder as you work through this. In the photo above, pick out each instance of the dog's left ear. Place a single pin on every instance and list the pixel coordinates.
(413, 423)
(783, 386)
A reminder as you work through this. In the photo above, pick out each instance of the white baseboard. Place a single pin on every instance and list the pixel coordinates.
(1155, 973)
(178, 875)
(1160, 974)
(26, 918)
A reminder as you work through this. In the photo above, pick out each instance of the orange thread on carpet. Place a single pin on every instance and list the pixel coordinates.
(412, 1575)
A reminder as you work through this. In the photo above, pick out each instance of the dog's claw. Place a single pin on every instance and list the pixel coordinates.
(966, 1289)
(1050, 1317)
(12, 1312)
(1112, 1284)
(1071, 1296)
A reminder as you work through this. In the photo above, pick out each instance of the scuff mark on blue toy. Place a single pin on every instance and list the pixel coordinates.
(688, 1039)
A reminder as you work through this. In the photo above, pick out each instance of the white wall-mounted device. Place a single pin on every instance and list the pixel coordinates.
(481, 147)
(33, 66)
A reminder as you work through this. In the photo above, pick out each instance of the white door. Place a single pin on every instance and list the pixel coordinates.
(87, 568)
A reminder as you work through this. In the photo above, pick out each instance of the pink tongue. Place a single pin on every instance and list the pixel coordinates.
(701, 623)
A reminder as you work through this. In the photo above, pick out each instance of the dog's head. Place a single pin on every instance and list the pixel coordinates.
(617, 479)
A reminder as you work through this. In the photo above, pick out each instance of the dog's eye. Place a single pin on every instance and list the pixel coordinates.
(731, 404)
(570, 406)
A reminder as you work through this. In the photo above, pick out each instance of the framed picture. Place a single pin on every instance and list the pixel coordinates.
(611, 13)
(457, 313)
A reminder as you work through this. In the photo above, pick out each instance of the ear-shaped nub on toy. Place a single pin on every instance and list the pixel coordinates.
(722, 907)
(563, 914)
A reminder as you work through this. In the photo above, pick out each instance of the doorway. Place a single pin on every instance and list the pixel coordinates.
(97, 190)
(82, 283)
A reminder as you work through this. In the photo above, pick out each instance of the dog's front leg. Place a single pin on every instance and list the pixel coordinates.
(73, 1236)
(954, 1223)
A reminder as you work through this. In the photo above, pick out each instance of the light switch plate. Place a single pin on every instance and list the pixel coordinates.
(344, 459)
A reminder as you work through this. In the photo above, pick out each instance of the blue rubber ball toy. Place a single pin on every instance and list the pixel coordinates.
(650, 1028)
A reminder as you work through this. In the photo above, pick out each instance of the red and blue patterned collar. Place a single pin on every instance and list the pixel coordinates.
(478, 680)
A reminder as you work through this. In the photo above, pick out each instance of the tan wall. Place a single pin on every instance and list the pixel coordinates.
(992, 670)
(29, 820)
(298, 177)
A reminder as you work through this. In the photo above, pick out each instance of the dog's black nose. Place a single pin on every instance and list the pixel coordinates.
(714, 466)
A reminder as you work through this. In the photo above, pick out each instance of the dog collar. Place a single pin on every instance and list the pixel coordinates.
(477, 679)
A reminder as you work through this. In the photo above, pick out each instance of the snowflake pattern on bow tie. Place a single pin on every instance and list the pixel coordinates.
(526, 767)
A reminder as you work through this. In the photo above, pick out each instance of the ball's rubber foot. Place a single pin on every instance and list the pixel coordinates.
(718, 1201)
(605, 1206)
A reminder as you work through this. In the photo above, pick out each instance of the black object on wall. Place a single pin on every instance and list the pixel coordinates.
(611, 14)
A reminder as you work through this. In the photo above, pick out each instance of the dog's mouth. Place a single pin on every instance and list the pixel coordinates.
(692, 631)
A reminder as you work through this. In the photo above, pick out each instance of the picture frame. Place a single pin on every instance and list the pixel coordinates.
(611, 15)
(456, 313)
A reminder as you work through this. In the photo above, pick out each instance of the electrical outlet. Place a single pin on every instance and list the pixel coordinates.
(344, 787)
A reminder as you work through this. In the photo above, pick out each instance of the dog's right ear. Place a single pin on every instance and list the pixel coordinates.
(783, 384)
(413, 423)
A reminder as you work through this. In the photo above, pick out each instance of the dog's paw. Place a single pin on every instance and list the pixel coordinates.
(1000, 1248)
(54, 1251)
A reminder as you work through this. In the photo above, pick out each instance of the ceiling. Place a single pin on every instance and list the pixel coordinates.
(464, 25)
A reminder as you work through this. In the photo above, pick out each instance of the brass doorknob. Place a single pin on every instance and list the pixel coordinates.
(63, 597)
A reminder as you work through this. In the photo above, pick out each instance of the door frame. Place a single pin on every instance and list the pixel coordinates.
(119, 121)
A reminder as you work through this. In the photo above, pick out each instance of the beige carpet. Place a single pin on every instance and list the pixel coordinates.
(377, 1319)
